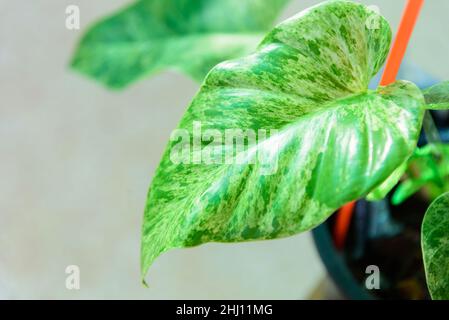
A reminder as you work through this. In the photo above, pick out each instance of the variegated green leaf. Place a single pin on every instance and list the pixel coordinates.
(332, 140)
(435, 246)
(186, 35)
(437, 96)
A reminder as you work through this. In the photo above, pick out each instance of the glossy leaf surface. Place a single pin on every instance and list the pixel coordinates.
(435, 245)
(437, 98)
(331, 139)
(190, 36)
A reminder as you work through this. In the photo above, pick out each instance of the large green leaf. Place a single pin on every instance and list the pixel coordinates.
(332, 140)
(190, 36)
(435, 246)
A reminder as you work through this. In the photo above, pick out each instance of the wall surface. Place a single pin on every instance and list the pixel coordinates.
(76, 161)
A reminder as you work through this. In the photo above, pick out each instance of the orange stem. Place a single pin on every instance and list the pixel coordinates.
(408, 22)
(342, 223)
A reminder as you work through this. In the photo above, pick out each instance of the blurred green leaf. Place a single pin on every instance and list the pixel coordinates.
(381, 191)
(186, 35)
(437, 96)
(435, 246)
(427, 169)
(407, 189)
(331, 139)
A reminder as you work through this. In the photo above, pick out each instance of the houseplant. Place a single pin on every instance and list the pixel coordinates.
(310, 138)
(381, 232)
(386, 234)
(341, 145)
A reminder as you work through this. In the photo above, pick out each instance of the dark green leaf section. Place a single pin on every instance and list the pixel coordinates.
(330, 141)
(435, 245)
(437, 96)
(186, 35)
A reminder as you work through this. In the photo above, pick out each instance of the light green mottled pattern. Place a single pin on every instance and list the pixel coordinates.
(435, 246)
(437, 96)
(336, 140)
(186, 35)
(427, 169)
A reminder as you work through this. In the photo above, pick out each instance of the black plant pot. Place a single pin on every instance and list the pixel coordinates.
(383, 235)
(337, 267)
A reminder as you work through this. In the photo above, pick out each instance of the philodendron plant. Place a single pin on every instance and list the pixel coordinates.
(332, 140)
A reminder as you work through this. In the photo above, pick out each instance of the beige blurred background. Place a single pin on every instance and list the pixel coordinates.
(76, 161)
